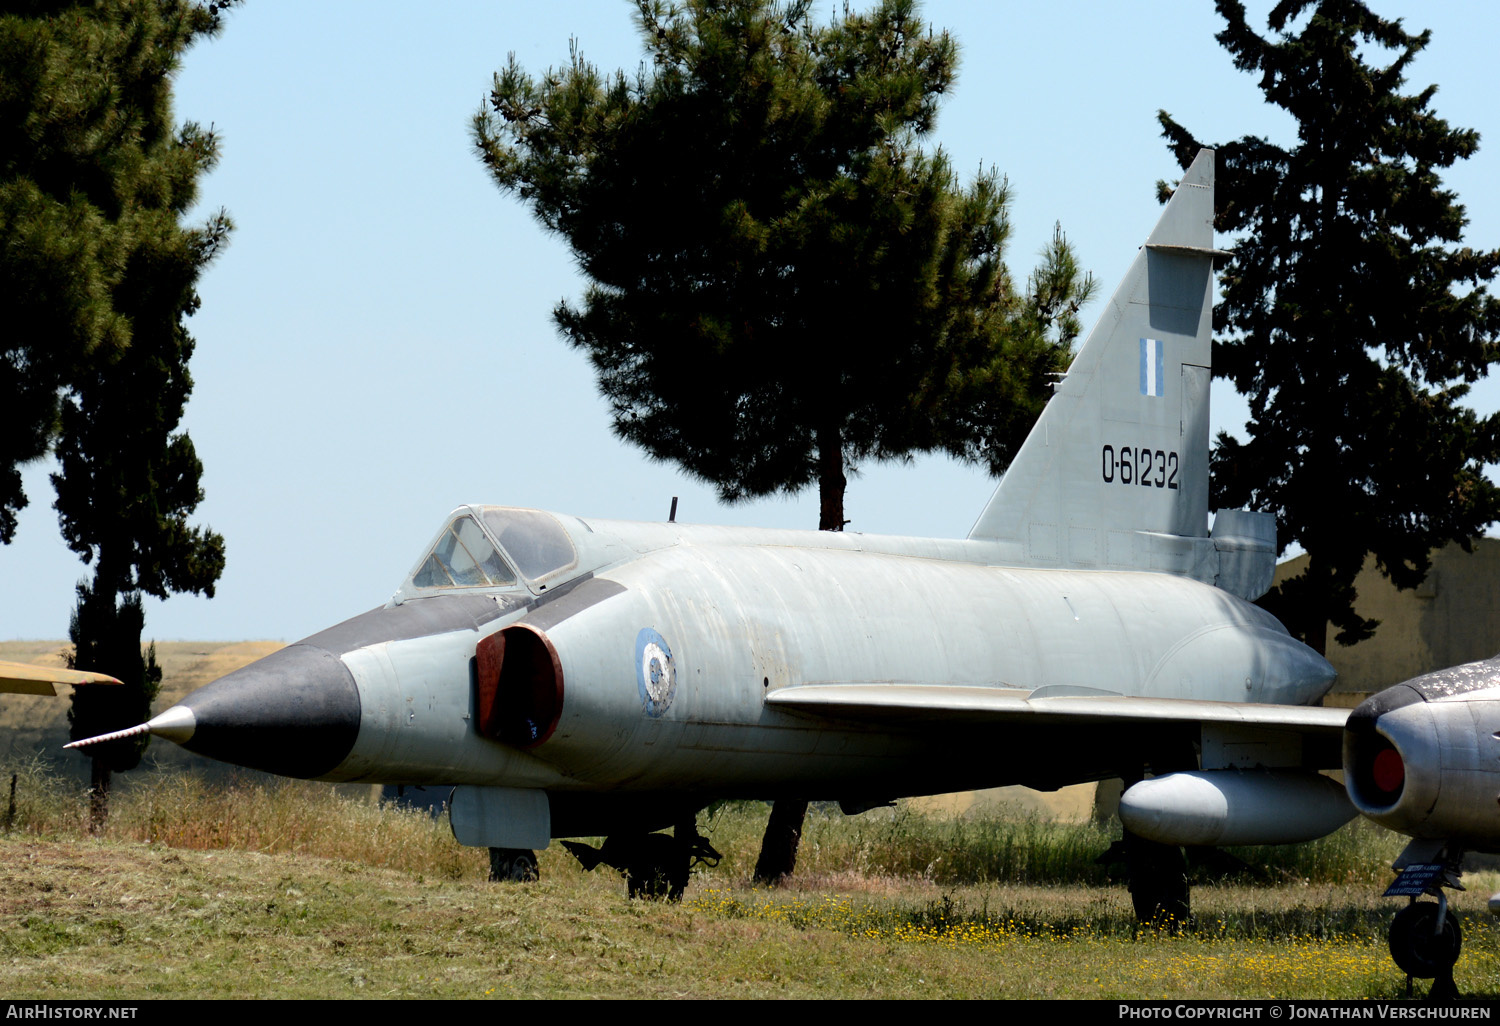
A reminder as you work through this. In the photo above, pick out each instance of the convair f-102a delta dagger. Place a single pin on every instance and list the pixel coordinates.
(576, 677)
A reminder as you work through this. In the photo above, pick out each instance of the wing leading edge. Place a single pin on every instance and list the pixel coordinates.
(27, 679)
(896, 704)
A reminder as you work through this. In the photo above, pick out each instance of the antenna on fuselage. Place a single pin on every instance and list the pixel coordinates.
(672, 516)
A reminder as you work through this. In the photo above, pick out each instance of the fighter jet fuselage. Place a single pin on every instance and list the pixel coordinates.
(645, 663)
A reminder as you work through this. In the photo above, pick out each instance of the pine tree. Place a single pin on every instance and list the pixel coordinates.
(1349, 314)
(783, 282)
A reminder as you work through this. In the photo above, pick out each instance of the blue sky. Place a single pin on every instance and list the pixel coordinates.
(375, 345)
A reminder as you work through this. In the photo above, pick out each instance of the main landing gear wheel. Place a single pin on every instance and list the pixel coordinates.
(1419, 947)
(516, 864)
(659, 869)
(655, 865)
(1159, 890)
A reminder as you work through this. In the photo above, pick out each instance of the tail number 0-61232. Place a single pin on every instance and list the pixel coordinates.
(1139, 465)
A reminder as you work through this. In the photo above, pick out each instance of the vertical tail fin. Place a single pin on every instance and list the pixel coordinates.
(1115, 472)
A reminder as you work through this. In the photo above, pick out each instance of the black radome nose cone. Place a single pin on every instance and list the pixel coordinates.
(295, 713)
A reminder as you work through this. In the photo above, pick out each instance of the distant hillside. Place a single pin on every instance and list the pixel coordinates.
(34, 726)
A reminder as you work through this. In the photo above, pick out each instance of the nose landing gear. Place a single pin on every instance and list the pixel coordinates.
(514, 864)
(1425, 937)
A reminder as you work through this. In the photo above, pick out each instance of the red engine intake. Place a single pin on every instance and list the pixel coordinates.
(519, 684)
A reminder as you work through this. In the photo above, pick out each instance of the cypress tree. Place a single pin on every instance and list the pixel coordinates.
(1350, 314)
(99, 274)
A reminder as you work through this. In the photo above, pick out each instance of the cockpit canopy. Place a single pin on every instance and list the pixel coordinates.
(494, 547)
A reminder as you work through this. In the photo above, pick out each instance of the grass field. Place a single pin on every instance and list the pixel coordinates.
(290, 890)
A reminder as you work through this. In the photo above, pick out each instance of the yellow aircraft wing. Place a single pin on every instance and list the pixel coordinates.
(27, 679)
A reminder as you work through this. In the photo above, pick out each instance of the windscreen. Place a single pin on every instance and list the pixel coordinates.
(463, 558)
(534, 541)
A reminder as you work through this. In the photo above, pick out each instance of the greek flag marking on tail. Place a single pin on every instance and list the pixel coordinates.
(1152, 376)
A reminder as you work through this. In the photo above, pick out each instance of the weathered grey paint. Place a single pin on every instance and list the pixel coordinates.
(1071, 498)
(1225, 807)
(751, 628)
(1445, 726)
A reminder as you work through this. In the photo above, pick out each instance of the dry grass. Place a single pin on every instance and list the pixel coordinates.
(184, 810)
(878, 851)
(294, 890)
(1010, 847)
(107, 919)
